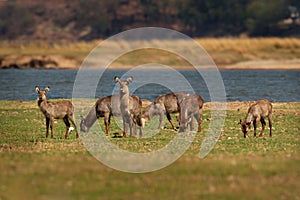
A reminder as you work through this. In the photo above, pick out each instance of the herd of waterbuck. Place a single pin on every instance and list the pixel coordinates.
(189, 107)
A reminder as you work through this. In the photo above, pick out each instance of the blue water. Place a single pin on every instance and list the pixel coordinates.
(240, 85)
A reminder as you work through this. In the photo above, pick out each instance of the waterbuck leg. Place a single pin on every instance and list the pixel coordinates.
(132, 128)
(74, 124)
(161, 115)
(67, 123)
(141, 133)
(198, 118)
(192, 123)
(47, 126)
(124, 127)
(263, 124)
(255, 122)
(170, 120)
(108, 128)
(270, 124)
(51, 126)
(107, 123)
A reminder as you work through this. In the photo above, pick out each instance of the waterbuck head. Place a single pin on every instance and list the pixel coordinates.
(42, 93)
(245, 127)
(83, 127)
(124, 84)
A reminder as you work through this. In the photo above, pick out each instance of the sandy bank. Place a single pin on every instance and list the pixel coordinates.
(65, 62)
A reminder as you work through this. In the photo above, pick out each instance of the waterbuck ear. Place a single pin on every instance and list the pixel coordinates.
(37, 89)
(116, 79)
(82, 118)
(47, 89)
(130, 79)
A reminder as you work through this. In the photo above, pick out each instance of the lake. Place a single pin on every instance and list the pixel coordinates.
(240, 85)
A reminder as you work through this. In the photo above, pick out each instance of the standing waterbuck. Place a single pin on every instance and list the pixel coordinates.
(55, 110)
(130, 107)
(164, 105)
(257, 112)
(190, 107)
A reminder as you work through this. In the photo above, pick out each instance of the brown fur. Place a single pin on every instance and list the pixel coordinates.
(164, 104)
(130, 107)
(104, 107)
(257, 112)
(190, 107)
(56, 110)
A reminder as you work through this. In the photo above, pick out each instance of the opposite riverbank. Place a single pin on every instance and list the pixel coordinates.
(227, 53)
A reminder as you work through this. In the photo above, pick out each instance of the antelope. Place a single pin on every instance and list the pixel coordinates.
(55, 110)
(257, 112)
(164, 105)
(190, 106)
(130, 107)
(104, 107)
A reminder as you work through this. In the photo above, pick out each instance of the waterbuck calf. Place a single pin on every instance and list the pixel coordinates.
(55, 110)
(190, 107)
(164, 105)
(257, 112)
(130, 107)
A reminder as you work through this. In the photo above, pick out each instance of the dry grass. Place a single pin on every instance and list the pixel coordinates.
(224, 51)
(246, 45)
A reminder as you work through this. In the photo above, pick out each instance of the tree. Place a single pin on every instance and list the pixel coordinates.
(261, 15)
(15, 21)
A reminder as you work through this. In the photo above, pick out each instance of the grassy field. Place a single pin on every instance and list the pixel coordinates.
(33, 167)
(224, 51)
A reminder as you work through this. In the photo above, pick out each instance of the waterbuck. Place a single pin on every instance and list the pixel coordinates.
(190, 107)
(164, 105)
(130, 107)
(55, 110)
(104, 107)
(257, 112)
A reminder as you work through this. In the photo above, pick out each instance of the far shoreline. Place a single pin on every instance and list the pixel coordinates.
(293, 65)
(184, 68)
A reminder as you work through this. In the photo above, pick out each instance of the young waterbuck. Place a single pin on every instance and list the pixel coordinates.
(130, 107)
(190, 108)
(55, 110)
(257, 112)
(164, 105)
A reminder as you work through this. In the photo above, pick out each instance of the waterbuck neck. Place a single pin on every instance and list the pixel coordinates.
(42, 102)
(249, 118)
(124, 98)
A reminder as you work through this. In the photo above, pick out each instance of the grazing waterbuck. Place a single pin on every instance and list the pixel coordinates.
(104, 107)
(257, 112)
(164, 105)
(130, 107)
(190, 107)
(55, 110)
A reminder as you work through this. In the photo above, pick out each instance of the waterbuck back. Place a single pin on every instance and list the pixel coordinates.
(164, 105)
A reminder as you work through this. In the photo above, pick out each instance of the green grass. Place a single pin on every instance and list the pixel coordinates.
(33, 167)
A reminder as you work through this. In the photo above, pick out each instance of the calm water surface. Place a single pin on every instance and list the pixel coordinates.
(240, 85)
